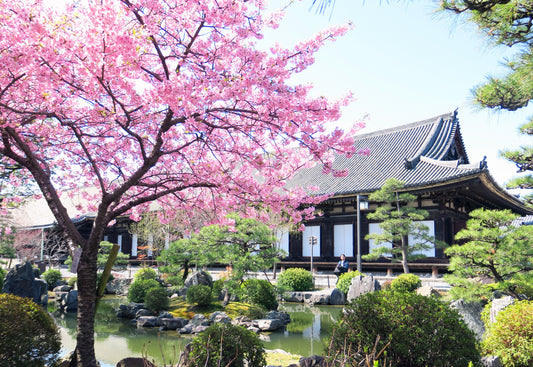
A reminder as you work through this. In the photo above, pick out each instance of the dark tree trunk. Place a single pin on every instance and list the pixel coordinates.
(405, 254)
(85, 352)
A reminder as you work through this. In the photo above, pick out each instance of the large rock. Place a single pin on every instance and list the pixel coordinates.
(68, 301)
(471, 314)
(337, 297)
(21, 281)
(118, 286)
(313, 361)
(269, 324)
(135, 362)
(499, 304)
(174, 323)
(149, 321)
(280, 315)
(491, 361)
(361, 285)
(318, 298)
(129, 311)
(199, 277)
(219, 317)
(293, 296)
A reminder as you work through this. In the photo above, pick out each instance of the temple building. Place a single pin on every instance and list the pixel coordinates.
(430, 158)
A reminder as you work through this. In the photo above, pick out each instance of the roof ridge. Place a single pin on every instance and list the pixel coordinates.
(411, 125)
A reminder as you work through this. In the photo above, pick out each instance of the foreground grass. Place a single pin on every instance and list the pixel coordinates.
(281, 358)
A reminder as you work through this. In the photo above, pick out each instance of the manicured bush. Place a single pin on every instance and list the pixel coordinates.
(218, 286)
(510, 337)
(51, 276)
(226, 345)
(199, 294)
(3, 274)
(29, 336)
(296, 279)
(405, 283)
(345, 280)
(156, 299)
(259, 292)
(138, 289)
(145, 273)
(72, 281)
(420, 331)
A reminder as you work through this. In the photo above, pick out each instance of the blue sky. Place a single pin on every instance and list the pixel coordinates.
(404, 63)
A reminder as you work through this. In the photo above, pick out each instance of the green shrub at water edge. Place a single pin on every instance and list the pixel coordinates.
(296, 279)
(3, 274)
(405, 283)
(199, 294)
(72, 281)
(345, 280)
(422, 331)
(226, 345)
(144, 274)
(156, 299)
(29, 337)
(510, 337)
(51, 276)
(138, 289)
(259, 292)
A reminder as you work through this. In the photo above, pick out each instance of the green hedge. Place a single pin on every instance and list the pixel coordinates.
(296, 279)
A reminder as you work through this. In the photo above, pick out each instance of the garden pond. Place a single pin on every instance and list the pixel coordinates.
(117, 338)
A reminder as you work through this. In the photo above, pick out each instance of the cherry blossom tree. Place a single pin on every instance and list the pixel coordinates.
(157, 100)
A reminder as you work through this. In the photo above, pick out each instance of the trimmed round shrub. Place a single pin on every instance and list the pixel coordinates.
(156, 299)
(199, 294)
(296, 279)
(345, 280)
(139, 288)
(510, 337)
(416, 331)
(405, 283)
(259, 292)
(144, 274)
(51, 276)
(28, 333)
(226, 345)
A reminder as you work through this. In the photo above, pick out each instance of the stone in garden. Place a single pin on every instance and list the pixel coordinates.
(428, 291)
(64, 288)
(129, 311)
(21, 281)
(269, 324)
(199, 277)
(219, 317)
(498, 305)
(199, 319)
(68, 301)
(135, 362)
(313, 361)
(361, 285)
(174, 323)
(471, 314)
(492, 361)
(280, 315)
(293, 296)
(337, 297)
(164, 315)
(144, 312)
(118, 286)
(318, 298)
(148, 321)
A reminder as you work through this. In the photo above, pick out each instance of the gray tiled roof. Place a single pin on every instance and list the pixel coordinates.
(418, 154)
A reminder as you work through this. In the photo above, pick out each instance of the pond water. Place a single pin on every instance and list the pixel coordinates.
(116, 338)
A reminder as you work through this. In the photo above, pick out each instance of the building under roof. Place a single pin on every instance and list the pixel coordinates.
(429, 156)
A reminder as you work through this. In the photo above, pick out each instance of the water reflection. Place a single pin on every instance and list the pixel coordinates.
(116, 338)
